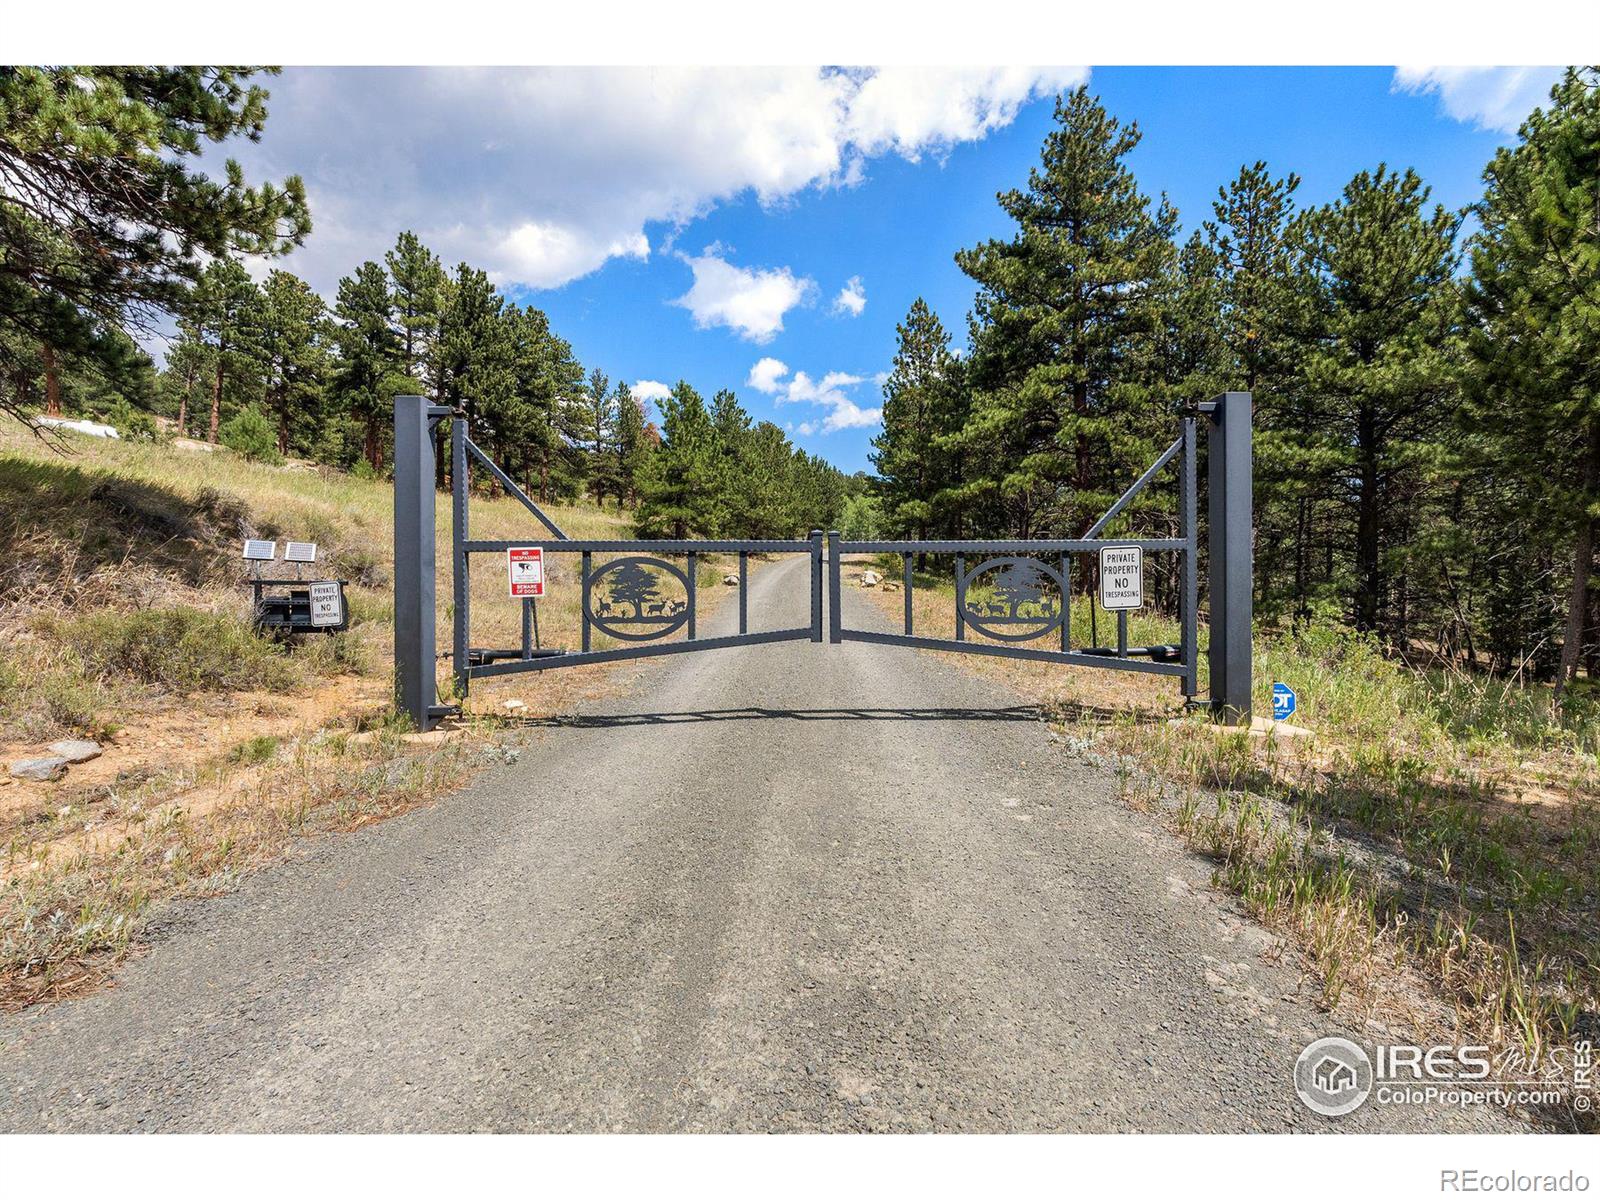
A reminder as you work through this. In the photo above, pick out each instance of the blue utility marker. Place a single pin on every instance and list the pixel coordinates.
(1284, 702)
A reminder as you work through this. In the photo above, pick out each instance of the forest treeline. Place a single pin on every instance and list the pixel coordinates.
(270, 369)
(1426, 381)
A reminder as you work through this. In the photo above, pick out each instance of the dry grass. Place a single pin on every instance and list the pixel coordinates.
(124, 616)
(1432, 851)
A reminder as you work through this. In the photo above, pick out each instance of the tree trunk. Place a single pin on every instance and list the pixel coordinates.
(1369, 568)
(52, 380)
(373, 450)
(1582, 564)
(1302, 606)
(281, 403)
(216, 399)
(183, 400)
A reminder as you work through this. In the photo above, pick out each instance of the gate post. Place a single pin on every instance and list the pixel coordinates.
(461, 584)
(835, 617)
(1229, 464)
(413, 561)
(816, 584)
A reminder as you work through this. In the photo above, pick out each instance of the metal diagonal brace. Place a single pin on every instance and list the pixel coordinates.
(1132, 493)
(506, 482)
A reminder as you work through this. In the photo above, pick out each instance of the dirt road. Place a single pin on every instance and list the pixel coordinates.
(791, 887)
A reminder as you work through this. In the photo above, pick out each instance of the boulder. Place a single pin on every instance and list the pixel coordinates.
(76, 750)
(870, 579)
(891, 586)
(39, 770)
(731, 580)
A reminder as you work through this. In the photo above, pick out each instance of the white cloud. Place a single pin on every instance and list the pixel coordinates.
(829, 393)
(750, 301)
(910, 110)
(765, 374)
(1497, 98)
(650, 390)
(852, 298)
(544, 175)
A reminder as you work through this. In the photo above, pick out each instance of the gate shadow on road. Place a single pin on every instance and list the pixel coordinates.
(1024, 712)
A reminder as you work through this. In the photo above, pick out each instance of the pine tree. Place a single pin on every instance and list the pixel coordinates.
(548, 383)
(293, 353)
(102, 224)
(1065, 329)
(226, 311)
(600, 439)
(634, 447)
(679, 495)
(1262, 323)
(1534, 387)
(418, 294)
(1380, 375)
(188, 365)
(368, 375)
(921, 411)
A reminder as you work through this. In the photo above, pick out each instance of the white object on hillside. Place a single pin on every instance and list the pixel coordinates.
(92, 428)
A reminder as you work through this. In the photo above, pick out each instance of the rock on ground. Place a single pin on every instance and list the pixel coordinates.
(39, 770)
(76, 750)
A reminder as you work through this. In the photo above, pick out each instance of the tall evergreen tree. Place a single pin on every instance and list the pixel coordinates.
(226, 310)
(600, 439)
(188, 366)
(418, 295)
(1065, 329)
(1535, 336)
(679, 494)
(1380, 374)
(369, 369)
(634, 445)
(291, 343)
(921, 412)
(1261, 321)
(102, 223)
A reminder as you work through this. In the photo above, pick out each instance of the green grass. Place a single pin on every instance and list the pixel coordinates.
(120, 576)
(180, 650)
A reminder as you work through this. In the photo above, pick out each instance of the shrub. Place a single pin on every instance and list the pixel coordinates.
(250, 433)
(180, 649)
(133, 424)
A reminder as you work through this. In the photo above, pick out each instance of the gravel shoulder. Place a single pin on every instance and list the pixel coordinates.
(779, 888)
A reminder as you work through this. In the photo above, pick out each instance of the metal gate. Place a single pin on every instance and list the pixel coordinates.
(623, 597)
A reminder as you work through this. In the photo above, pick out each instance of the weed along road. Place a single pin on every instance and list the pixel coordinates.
(786, 888)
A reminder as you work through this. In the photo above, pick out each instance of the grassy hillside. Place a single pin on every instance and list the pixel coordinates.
(124, 617)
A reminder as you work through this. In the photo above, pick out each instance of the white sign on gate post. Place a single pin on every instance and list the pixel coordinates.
(1121, 577)
(525, 569)
(327, 603)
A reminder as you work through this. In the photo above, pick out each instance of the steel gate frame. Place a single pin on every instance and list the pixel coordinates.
(1182, 661)
(1229, 535)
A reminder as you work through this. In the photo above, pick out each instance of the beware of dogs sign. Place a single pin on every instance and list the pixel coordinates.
(525, 567)
(1121, 577)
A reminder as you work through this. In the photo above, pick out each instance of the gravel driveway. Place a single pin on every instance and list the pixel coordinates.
(777, 888)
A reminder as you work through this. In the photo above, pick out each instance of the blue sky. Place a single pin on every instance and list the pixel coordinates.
(766, 230)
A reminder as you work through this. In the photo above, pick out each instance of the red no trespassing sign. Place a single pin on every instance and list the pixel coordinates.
(525, 570)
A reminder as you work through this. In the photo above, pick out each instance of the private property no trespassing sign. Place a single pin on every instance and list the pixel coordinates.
(525, 569)
(1121, 578)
